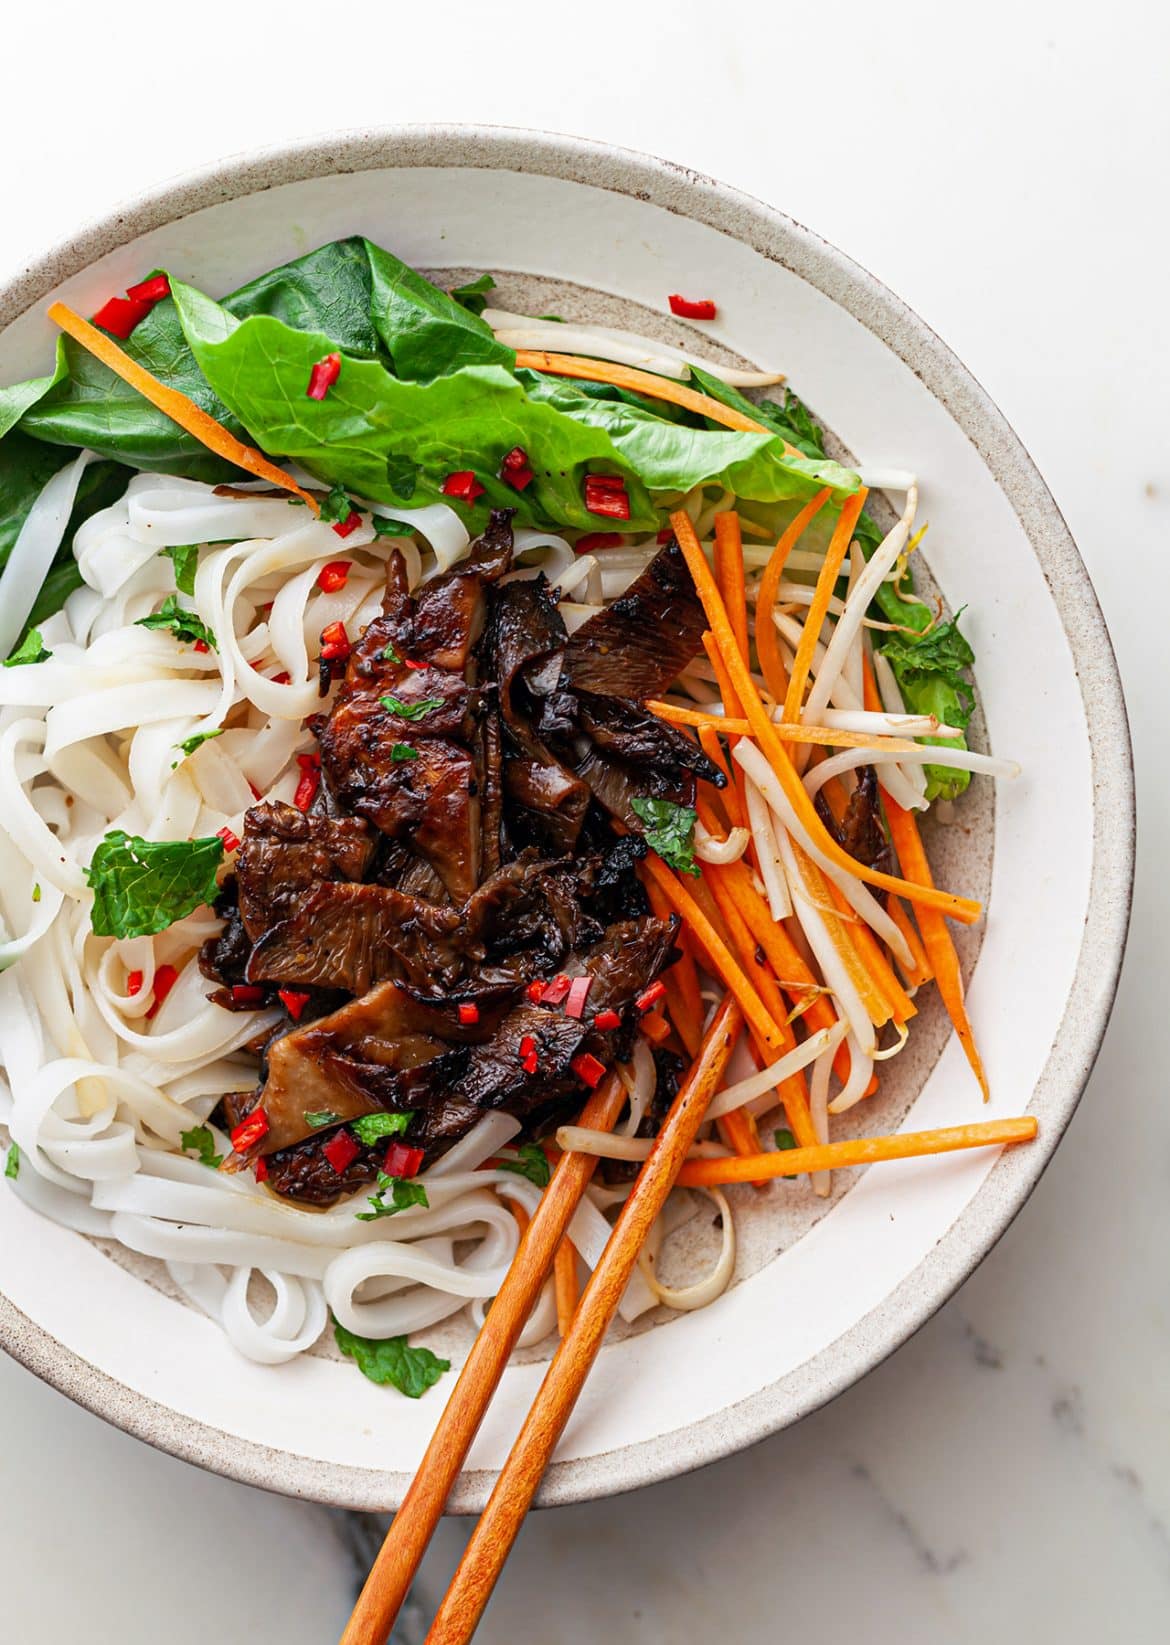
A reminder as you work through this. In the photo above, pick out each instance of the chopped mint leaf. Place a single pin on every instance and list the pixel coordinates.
(403, 1195)
(30, 650)
(183, 624)
(533, 1164)
(399, 752)
(670, 831)
(142, 886)
(371, 1128)
(337, 507)
(411, 711)
(784, 1140)
(12, 1163)
(391, 528)
(190, 744)
(36, 894)
(201, 1141)
(186, 560)
(392, 1361)
(315, 1118)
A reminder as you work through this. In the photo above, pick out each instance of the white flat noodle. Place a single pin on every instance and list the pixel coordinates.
(35, 548)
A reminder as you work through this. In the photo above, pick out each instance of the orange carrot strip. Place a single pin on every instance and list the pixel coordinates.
(820, 735)
(767, 641)
(642, 382)
(899, 1005)
(936, 939)
(822, 594)
(922, 972)
(731, 707)
(729, 575)
(960, 908)
(654, 1027)
(683, 996)
(835, 1156)
(190, 417)
(566, 1284)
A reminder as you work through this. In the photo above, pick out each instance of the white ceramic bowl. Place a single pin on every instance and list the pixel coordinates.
(856, 1283)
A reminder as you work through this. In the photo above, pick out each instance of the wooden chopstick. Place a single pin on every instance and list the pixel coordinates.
(483, 1559)
(413, 1526)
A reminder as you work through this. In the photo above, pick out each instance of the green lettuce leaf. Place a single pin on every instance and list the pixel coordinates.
(142, 886)
(371, 1128)
(392, 1361)
(30, 650)
(425, 331)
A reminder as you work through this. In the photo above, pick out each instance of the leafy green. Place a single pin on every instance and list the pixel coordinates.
(201, 1141)
(337, 506)
(142, 886)
(30, 650)
(190, 744)
(390, 528)
(12, 1163)
(401, 752)
(403, 1194)
(186, 562)
(316, 1118)
(371, 1128)
(411, 1370)
(402, 475)
(36, 891)
(426, 332)
(410, 711)
(670, 831)
(473, 294)
(792, 419)
(532, 1163)
(183, 624)
(784, 1140)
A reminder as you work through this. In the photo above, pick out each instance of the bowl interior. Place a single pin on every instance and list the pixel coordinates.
(822, 1292)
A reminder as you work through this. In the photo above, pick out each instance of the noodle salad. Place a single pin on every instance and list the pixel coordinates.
(415, 715)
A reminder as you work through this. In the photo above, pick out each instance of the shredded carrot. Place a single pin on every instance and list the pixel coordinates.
(642, 382)
(654, 1027)
(731, 704)
(839, 928)
(899, 1005)
(683, 997)
(961, 908)
(519, 1213)
(566, 1284)
(822, 594)
(921, 972)
(190, 417)
(729, 575)
(767, 643)
(825, 736)
(835, 1156)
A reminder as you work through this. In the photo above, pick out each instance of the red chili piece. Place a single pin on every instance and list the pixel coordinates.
(341, 1150)
(231, 842)
(333, 576)
(516, 469)
(468, 1014)
(535, 990)
(651, 996)
(323, 376)
(606, 494)
(150, 291)
(261, 1169)
(120, 315)
(402, 1160)
(134, 983)
(606, 1020)
(334, 641)
(665, 534)
(283, 678)
(165, 979)
(462, 485)
(578, 994)
(593, 540)
(256, 794)
(703, 309)
(529, 1056)
(310, 781)
(249, 1131)
(202, 646)
(588, 1070)
(247, 993)
(345, 527)
(294, 1001)
(556, 991)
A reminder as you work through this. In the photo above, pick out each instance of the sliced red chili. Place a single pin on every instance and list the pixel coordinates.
(593, 540)
(334, 641)
(261, 1169)
(468, 1014)
(516, 470)
(323, 376)
(134, 983)
(121, 314)
(535, 990)
(150, 291)
(249, 1131)
(588, 1070)
(345, 527)
(310, 782)
(651, 996)
(202, 646)
(607, 1020)
(577, 995)
(402, 1160)
(165, 979)
(231, 842)
(341, 1150)
(606, 494)
(531, 1063)
(702, 309)
(462, 485)
(333, 576)
(294, 1001)
(256, 794)
(527, 1045)
(556, 991)
(247, 993)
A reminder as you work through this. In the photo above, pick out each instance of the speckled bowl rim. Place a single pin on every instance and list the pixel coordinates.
(1074, 1051)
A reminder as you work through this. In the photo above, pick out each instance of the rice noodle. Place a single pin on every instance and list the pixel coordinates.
(35, 548)
(610, 343)
(702, 1291)
(710, 849)
(770, 1078)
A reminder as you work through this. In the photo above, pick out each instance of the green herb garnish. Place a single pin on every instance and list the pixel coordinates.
(533, 1164)
(412, 711)
(391, 528)
(36, 892)
(337, 507)
(403, 1194)
(142, 886)
(670, 831)
(190, 744)
(183, 624)
(317, 1117)
(12, 1163)
(371, 1128)
(201, 1141)
(186, 561)
(30, 650)
(400, 752)
(393, 1361)
(784, 1140)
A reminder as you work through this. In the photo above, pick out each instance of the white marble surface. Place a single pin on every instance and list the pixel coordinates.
(1007, 1474)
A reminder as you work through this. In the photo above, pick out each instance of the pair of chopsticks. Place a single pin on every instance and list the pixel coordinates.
(406, 1541)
